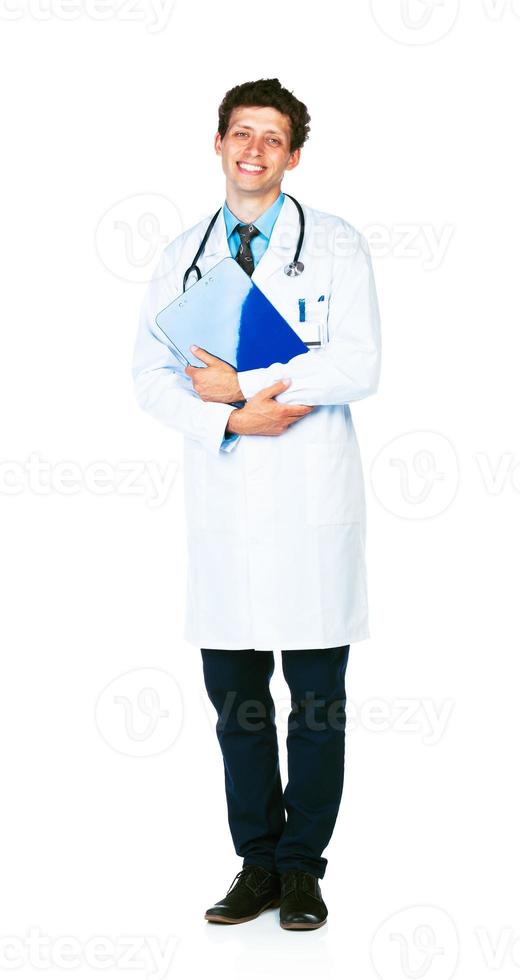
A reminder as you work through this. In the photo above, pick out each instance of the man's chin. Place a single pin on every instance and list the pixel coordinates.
(246, 186)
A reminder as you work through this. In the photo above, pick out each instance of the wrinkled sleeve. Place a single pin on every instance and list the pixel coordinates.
(162, 388)
(348, 367)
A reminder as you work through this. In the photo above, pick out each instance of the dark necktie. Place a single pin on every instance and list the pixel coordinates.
(244, 255)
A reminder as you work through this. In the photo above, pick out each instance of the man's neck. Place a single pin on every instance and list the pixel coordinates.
(249, 207)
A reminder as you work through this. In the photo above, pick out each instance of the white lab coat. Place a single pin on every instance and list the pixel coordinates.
(275, 524)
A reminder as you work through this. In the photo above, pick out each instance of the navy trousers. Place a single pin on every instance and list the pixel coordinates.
(276, 829)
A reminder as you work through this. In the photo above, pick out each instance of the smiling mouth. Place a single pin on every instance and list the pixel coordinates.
(250, 168)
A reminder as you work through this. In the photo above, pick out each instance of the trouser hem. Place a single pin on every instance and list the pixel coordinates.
(317, 872)
(260, 864)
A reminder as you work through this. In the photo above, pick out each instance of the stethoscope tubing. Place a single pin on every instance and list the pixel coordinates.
(295, 268)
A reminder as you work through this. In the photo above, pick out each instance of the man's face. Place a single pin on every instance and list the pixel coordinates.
(256, 148)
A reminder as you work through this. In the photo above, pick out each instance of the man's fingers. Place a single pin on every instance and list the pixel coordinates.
(299, 409)
(204, 356)
(275, 388)
(291, 413)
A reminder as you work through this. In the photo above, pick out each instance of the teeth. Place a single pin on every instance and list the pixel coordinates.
(251, 167)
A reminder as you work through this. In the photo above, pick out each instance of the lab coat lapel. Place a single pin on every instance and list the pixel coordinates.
(217, 246)
(279, 252)
(282, 244)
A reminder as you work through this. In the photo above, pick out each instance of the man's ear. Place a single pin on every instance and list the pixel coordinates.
(218, 144)
(294, 159)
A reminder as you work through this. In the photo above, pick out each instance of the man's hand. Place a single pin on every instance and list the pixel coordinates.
(262, 415)
(215, 383)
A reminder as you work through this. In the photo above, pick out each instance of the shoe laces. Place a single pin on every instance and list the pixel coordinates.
(240, 878)
(299, 880)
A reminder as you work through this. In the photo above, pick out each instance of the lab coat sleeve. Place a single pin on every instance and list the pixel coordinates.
(226, 443)
(348, 367)
(161, 386)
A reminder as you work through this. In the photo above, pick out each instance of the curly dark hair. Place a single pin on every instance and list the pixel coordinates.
(267, 92)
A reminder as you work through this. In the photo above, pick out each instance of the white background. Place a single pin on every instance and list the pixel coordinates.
(113, 818)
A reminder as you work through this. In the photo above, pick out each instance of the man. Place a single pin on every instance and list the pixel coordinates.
(274, 501)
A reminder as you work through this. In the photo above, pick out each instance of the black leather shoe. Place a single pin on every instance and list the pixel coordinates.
(255, 890)
(302, 905)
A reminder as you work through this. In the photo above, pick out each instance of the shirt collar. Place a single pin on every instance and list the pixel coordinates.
(264, 223)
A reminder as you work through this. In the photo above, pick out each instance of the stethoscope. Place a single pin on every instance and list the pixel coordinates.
(294, 268)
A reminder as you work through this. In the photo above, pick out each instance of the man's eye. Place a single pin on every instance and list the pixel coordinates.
(274, 140)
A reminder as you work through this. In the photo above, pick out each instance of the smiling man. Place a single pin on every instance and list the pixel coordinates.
(274, 498)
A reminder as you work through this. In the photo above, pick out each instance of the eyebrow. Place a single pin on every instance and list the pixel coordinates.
(248, 126)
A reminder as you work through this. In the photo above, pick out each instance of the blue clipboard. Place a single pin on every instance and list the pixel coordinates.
(229, 316)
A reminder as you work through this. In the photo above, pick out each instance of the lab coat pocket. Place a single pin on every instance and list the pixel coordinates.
(313, 330)
(195, 485)
(334, 492)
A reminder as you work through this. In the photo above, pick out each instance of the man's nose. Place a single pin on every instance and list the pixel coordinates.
(255, 147)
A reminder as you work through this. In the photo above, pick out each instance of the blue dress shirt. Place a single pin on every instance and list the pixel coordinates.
(265, 225)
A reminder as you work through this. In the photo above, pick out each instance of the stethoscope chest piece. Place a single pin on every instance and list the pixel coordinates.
(294, 269)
